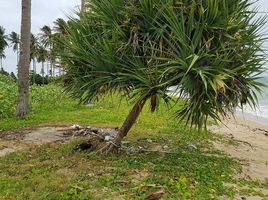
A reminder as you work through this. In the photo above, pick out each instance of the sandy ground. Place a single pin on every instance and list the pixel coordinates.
(250, 148)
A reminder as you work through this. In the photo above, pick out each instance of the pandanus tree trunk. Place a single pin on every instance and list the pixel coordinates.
(24, 61)
(129, 122)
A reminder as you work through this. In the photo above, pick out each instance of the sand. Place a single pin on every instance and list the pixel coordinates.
(251, 147)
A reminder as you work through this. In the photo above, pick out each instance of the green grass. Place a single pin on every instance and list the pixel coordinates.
(57, 172)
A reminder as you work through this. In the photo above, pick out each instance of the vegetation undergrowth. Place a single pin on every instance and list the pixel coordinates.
(57, 172)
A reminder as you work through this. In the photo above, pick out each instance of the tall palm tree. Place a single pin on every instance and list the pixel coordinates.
(211, 50)
(14, 39)
(41, 58)
(47, 40)
(34, 53)
(3, 45)
(24, 61)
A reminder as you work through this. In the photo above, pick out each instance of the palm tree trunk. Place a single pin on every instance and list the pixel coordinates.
(83, 6)
(24, 61)
(34, 70)
(129, 122)
(43, 72)
(1, 62)
(18, 55)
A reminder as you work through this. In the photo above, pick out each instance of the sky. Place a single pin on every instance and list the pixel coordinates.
(44, 12)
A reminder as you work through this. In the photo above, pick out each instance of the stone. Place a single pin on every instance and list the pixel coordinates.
(192, 147)
(149, 140)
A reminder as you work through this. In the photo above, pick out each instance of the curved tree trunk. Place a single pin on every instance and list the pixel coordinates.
(24, 61)
(129, 122)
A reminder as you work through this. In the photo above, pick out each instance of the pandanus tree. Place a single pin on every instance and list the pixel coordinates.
(3, 45)
(210, 50)
(60, 27)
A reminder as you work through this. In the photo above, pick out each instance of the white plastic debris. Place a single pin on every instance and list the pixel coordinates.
(76, 126)
(107, 138)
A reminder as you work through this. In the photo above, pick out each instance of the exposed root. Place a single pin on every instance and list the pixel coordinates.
(110, 148)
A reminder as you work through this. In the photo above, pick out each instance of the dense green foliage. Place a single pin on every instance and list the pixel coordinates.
(8, 90)
(210, 49)
(40, 97)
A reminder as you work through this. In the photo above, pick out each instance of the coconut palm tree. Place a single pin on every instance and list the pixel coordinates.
(209, 49)
(34, 53)
(41, 58)
(14, 39)
(24, 61)
(3, 45)
(47, 40)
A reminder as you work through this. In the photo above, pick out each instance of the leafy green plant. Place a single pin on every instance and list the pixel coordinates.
(41, 97)
(210, 50)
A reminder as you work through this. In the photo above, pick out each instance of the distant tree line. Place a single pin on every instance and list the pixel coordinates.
(43, 50)
(35, 78)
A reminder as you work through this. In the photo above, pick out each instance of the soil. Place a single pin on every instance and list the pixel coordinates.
(23, 139)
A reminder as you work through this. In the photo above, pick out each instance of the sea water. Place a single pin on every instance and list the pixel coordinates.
(259, 115)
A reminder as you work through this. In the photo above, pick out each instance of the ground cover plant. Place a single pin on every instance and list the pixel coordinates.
(56, 171)
(210, 49)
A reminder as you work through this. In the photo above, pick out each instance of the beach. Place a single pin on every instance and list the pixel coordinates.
(251, 145)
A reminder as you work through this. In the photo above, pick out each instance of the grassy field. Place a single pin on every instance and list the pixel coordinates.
(55, 171)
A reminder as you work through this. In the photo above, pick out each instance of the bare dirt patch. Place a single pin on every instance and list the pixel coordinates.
(22, 139)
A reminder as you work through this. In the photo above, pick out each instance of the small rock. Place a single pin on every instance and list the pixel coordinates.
(243, 198)
(149, 140)
(192, 147)
(132, 150)
(94, 130)
(165, 147)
